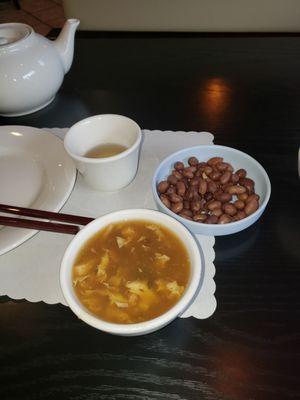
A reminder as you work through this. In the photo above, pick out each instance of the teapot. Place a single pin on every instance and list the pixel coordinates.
(32, 68)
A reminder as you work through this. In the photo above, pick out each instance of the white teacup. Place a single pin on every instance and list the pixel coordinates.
(109, 173)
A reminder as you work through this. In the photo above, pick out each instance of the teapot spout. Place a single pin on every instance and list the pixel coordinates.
(65, 42)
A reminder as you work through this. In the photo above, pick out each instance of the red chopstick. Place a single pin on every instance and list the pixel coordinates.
(39, 225)
(42, 225)
(31, 212)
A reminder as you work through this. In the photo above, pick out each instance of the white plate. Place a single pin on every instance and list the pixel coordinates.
(35, 172)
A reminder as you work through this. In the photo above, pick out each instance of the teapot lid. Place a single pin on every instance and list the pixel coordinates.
(13, 32)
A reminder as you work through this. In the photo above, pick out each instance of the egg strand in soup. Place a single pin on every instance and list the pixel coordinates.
(131, 271)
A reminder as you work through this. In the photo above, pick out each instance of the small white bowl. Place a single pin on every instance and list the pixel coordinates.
(109, 173)
(238, 160)
(141, 328)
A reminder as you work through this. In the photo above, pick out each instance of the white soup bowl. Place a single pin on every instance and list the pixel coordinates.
(192, 288)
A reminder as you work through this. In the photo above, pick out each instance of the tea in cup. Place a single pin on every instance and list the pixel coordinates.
(105, 149)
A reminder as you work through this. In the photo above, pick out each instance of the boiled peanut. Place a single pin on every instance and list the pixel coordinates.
(187, 212)
(247, 180)
(234, 178)
(243, 196)
(214, 204)
(214, 160)
(239, 204)
(225, 178)
(217, 212)
(229, 209)
(163, 186)
(186, 181)
(202, 203)
(251, 197)
(171, 190)
(215, 175)
(188, 173)
(186, 204)
(175, 198)
(195, 181)
(235, 189)
(240, 215)
(177, 174)
(224, 219)
(217, 193)
(208, 196)
(221, 166)
(193, 161)
(212, 219)
(180, 187)
(248, 184)
(165, 200)
(224, 197)
(202, 186)
(179, 165)
(189, 194)
(212, 187)
(225, 186)
(195, 205)
(201, 165)
(241, 173)
(177, 207)
(208, 170)
(251, 207)
(196, 195)
(199, 217)
(172, 179)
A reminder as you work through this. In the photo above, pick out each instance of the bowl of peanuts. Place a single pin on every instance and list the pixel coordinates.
(213, 190)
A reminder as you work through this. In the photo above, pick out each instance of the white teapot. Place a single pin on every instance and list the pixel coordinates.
(32, 68)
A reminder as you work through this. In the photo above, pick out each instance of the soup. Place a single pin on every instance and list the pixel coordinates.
(105, 150)
(131, 271)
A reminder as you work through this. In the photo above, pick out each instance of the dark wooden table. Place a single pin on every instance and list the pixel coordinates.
(246, 90)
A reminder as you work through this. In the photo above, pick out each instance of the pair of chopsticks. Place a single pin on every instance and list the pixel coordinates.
(42, 225)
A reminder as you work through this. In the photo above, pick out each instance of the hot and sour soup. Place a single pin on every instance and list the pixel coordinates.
(131, 271)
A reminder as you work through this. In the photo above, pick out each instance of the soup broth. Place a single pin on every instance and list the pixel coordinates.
(105, 150)
(131, 271)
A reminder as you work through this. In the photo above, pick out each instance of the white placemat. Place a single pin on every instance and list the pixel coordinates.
(31, 271)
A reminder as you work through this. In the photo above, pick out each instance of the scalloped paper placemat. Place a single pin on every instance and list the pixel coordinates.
(31, 271)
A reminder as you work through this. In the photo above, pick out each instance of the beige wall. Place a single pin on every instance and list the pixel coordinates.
(187, 15)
